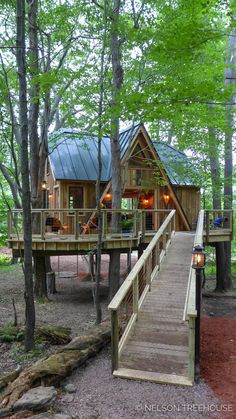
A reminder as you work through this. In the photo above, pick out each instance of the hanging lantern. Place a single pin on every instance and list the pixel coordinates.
(198, 258)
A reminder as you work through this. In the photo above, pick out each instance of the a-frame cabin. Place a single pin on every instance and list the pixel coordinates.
(154, 175)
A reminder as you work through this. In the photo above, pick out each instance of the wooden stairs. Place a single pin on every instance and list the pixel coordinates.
(157, 348)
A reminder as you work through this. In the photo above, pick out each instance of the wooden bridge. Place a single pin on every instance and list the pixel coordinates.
(154, 312)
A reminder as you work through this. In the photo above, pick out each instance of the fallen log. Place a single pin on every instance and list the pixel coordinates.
(52, 370)
(9, 377)
(56, 335)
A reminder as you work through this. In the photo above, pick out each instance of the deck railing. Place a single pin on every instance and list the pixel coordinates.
(218, 220)
(79, 223)
(190, 312)
(126, 304)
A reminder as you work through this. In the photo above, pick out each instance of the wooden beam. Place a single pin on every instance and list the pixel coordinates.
(152, 376)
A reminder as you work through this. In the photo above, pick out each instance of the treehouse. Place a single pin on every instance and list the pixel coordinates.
(154, 176)
(155, 313)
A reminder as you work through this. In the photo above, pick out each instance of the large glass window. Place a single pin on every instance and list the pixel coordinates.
(75, 197)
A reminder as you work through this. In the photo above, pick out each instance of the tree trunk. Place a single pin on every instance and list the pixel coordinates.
(98, 183)
(214, 162)
(40, 283)
(230, 75)
(220, 266)
(114, 268)
(26, 197)
(117, 81)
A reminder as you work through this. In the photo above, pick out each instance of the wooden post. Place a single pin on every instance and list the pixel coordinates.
(164, 241)
(104, 224)
(76, 225)
(51, 283)
(191, 350)
(129, 260)
(143, 225)
(9, 224)
(135, 295)
(197, 324)
(43, 225)
(169, 231)
(207, 226)
(157, 251)
(114, 340)
(148, 271)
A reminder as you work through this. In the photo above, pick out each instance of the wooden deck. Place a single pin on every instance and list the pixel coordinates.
(158, 349)
(53, 244)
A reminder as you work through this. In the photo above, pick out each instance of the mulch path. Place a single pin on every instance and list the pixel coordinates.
(218, 358)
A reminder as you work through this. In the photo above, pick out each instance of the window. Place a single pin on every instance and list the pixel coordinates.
(75, 197)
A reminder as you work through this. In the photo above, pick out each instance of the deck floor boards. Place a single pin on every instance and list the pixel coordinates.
(159, 340)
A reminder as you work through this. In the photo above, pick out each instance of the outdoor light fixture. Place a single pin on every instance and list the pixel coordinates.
(108, 196)
(44, 185)
(198, 263)
(166, 198)
(198, 258)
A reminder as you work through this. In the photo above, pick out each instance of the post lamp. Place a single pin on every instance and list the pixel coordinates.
(44, 189)
(198, 263)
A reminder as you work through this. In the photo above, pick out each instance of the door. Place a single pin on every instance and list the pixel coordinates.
(76, 197)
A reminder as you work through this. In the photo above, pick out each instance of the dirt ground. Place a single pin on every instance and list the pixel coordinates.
(98, 394)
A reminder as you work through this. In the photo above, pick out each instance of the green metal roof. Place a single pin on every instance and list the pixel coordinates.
(73, 156)
(177, 165)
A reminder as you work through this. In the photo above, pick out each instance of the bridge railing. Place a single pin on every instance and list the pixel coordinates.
(190, 312)
(126, 303)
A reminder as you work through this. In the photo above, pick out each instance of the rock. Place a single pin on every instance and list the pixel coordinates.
(36, 399)
(4, 413)
(68, 398)
(70, 388)
(50, 416)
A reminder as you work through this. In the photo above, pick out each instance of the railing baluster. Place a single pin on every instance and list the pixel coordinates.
(135, 294)
(164, 240)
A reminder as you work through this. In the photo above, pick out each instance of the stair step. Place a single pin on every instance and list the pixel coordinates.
(152, 376)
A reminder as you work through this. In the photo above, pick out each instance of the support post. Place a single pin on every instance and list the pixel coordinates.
(114, 340)
(43, 225)
(207, 226)
(76, 225)
(197, 324)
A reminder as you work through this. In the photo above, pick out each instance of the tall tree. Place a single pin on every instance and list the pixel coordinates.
(117, 82)
(26, 197)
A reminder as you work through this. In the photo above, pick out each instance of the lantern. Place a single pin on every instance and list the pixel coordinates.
(198, 258)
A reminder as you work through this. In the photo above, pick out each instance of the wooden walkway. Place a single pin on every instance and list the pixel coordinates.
(157, 349)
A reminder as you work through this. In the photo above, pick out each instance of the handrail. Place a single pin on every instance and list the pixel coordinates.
(114, 304)
(132, 292)
(189, 306)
